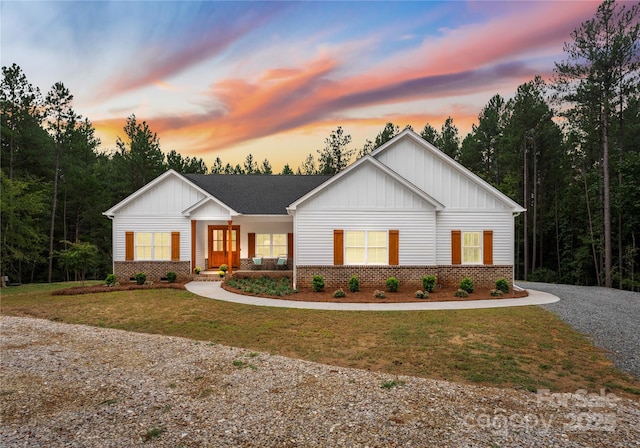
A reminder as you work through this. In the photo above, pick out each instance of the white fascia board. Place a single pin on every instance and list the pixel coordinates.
(408, 133)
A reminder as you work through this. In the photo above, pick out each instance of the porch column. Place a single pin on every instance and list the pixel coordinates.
(230, 246)
(193, 245)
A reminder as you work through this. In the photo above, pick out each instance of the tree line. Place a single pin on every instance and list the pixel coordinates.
(567, 149)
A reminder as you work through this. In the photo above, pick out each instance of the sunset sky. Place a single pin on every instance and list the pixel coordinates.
(275, 78)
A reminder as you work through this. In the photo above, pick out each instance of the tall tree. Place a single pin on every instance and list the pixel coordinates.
(479, 150)
(217, 167)
(390, 130)
(266, 167)
(335, 156)
(286, 170)
(449, 141)
(61, 120)
(20, 103)
(602, 60)
(250, 165)
(308, 167)
(139, 155)
(430, 134)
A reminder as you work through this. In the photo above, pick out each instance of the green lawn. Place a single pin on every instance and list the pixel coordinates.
(524, 347)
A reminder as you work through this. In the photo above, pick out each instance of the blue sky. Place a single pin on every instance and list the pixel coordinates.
(274, 78)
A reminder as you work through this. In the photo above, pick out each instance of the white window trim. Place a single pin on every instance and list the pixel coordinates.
(366, 248)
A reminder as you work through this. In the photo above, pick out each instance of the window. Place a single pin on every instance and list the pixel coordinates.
(365, 247)
(471, 247)
(271, 245)
(153, 245)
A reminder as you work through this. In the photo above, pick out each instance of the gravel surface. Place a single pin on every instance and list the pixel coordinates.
(78, 386)
(610, 317)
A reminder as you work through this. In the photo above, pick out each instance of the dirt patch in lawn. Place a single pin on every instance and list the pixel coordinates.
(366, 295)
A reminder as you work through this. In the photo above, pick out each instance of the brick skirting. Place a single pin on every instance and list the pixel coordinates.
(376, 276)
(154, 270)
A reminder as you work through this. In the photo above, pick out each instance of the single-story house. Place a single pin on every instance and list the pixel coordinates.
(405, 210)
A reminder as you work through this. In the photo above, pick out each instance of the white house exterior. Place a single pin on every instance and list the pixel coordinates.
(405, 210)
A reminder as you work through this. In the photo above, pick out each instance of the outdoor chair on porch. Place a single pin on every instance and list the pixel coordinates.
(257, 263)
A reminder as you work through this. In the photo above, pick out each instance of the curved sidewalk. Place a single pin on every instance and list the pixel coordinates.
(213, 290)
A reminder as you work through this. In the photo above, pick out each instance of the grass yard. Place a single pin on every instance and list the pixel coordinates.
(524, 347)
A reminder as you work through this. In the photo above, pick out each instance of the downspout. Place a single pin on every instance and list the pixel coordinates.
(230, 246)
(294, 255)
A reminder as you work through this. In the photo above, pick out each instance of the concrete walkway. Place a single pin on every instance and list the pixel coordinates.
(213, 290)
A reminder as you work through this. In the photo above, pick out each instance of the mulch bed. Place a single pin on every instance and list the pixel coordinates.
(366, 295)
(104, 288)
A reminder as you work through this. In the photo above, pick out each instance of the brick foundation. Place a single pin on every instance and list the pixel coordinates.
(154, 270)
(376, 276)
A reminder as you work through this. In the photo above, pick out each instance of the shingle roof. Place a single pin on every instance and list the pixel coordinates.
(256, 194)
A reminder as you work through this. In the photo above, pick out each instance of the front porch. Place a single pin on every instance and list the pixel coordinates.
(213, 276)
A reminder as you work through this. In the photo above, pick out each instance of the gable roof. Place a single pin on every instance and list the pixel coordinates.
(158, 180)
(409, 134)
(256, 194)
(378, 165)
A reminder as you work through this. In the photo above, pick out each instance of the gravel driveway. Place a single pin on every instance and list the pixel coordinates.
(610, 317)
(76, 386)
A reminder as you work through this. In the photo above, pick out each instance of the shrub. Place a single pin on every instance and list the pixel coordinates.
(379, 294)
(461, 293)
(354, 284)
(110, 280)
(392, 284)
(171, 276)
(421, 294)
(224, 268)
(141, 278)
(466, 284)
(496, 293)
(339, 293)
(429, 283)
(502, 285)
(317, 284)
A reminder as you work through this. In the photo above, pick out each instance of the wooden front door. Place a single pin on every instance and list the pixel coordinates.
(219, 246)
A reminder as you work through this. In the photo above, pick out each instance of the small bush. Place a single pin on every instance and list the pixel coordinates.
(466, 284)
(379, 294)
(461, 293)
(496, 293)
(502, 285)
(339, 293)
(110, 280)
(354, 284)
(421, 294)
(393, 284)
(317, 284)
(172, 276)
(224, 268)
(141, 278)
(429, 283)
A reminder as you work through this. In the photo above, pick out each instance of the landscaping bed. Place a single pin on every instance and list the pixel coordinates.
(367, 295)
(91, 289)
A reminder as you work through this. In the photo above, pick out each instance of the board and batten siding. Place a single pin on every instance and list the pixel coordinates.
(366, 188)
(123, 224)
(169, 198)
(314, 233)
(443, 182)
(501, 223)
